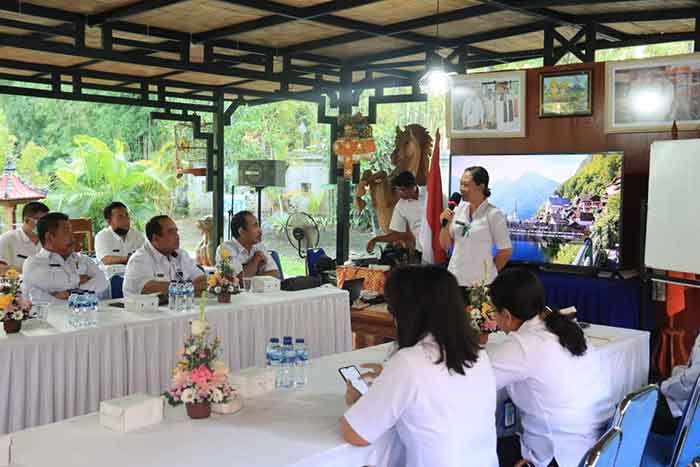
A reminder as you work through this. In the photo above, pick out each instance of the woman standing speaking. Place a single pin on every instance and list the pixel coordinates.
(472, 229)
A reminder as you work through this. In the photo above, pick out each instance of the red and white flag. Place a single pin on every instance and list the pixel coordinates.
(434, 205)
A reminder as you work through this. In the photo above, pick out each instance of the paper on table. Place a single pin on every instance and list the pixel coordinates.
(5, 446)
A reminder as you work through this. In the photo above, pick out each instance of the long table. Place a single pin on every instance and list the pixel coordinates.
(50, 372)
(282, 428)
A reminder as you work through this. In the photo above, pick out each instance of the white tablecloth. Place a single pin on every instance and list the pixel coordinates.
(282, 428)
(52, 372)
(320, 316)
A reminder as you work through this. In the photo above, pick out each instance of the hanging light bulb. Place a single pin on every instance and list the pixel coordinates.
(435, 82)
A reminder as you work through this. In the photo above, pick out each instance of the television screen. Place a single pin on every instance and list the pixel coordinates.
(562, 209)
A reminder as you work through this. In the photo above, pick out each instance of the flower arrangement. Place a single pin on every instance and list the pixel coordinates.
(200, 379)
(223, 283)
(480, 307)
(14, 308)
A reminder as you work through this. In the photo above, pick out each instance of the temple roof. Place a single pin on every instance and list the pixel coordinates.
(13, 188)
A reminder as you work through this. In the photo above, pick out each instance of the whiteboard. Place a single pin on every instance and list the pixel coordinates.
(673, 214)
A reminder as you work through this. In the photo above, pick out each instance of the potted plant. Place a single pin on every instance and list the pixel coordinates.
(200, 379)
(223, 283)
(14, 308)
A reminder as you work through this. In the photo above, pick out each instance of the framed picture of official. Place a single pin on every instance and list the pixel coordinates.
(487, 105)
(648, 95)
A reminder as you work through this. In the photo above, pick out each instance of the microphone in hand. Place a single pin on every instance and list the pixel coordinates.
(452, 204)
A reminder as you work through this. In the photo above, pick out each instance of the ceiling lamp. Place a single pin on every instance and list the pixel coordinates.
(435, 81)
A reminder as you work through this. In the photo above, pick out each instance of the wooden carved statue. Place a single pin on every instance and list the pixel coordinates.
(205, 256)
(412, 148)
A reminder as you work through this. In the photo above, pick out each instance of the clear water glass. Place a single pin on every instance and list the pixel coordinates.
(41, 310)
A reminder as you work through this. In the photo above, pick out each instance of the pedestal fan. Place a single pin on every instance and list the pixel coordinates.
(302, 232)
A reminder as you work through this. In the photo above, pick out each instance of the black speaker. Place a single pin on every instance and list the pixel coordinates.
(262, 173)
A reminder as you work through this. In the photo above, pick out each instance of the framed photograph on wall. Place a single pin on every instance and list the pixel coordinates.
(649, 95)
(565, 94)
(487, 105)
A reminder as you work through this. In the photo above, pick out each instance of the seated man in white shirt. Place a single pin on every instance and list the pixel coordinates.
(19, 244)
(248, 255)
(675, 392)
(408, 215)
(57, 269)
(116, 242)
(160, 260)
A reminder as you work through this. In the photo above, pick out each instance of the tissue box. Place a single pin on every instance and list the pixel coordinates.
(261, 284)
(147, 303)
(131, 412)
(253, 382)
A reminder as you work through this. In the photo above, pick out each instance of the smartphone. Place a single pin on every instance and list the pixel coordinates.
(352, 375)
(508, 414)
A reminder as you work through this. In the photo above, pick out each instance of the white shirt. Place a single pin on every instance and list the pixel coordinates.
(409, 215)
(16, 247)
(474, 248)
(563, 400)
(148, 264)
(240, 256)
(108, 243)
(48, 273)
(442, 419)
(678, 387)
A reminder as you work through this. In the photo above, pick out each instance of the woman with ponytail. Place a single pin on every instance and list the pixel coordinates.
(551, 374)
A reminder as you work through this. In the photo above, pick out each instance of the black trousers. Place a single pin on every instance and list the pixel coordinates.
(664, 422)
(509, 452)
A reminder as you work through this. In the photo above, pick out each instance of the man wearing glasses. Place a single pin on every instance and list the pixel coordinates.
(19, 244)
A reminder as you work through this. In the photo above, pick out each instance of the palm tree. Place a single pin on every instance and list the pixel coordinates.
(98, 175)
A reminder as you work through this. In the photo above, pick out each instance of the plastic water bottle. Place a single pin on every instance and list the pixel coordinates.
(189, 296)
(272, 356)
(288, 360)
(302, 362)
(80, 309)
(181, 296)
(91, 305)
(172, 296)
(74, 319)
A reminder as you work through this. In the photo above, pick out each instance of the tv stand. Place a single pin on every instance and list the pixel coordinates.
(579, 271)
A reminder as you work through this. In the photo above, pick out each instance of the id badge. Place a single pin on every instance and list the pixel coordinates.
(509, 414)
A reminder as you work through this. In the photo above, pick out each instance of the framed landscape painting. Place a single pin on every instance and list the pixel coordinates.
(487, 105)
(565, 94)
(649, 95)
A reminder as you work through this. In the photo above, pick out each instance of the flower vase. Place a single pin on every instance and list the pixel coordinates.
(224, 297)
(483, 338)
(198, 410)
(12, 326)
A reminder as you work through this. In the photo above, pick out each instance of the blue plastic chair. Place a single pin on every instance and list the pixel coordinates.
(604, 451)
(682, 449)
(633, 417)
(312, 256)
(116, 284)
(276, 258)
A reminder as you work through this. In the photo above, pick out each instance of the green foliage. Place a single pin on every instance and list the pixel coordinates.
(98, 175)
(606, 229)
(54, 123)
(271, 131)
(592, 177)
(567, 253)
(29, 163)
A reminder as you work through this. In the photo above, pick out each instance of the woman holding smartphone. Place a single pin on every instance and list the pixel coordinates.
(437, 391)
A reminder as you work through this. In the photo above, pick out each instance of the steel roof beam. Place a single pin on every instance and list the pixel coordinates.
(132, 9)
